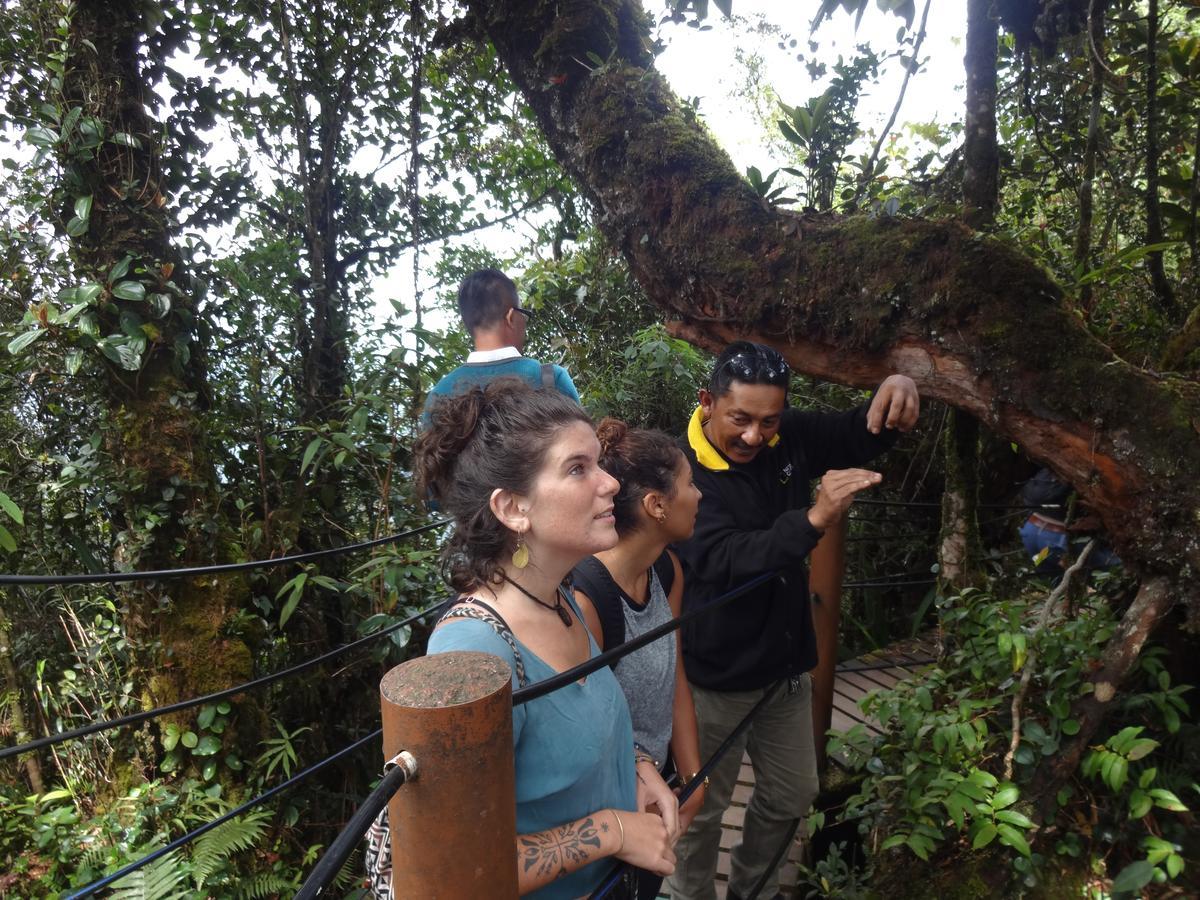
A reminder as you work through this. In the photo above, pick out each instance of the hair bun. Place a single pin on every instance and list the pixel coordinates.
(610, 432)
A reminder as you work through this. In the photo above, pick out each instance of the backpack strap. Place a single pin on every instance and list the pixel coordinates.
(547, 375)
(480, 611)
(665, 570)
(591, 577)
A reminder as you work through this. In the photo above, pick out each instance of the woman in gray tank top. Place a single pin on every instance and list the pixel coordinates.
(621, 592)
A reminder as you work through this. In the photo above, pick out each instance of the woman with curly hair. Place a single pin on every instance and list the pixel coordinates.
(517, 469)
(636, 585)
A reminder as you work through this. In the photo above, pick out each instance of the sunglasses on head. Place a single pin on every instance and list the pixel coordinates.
(752, 368)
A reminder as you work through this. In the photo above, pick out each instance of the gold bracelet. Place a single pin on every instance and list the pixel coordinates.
(685, 780)
(621, 826)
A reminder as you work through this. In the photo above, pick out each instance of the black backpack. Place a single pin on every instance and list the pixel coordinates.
(591, 577)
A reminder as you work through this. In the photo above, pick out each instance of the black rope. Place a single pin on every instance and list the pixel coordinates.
(614, 876)
(220, 820)
(562, 679)
(887, 538)
(343, 845)
(134, 718)
(193, 571)
(884, 584)
(916, 504)
(907, 664)
(775, 860)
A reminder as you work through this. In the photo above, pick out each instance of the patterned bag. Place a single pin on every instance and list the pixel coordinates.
(378, 859)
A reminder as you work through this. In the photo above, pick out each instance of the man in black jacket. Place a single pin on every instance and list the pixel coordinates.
(754, 459)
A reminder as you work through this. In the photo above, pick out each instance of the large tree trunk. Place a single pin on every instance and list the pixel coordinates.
(959, 549)
(974, 322)
(155, 431)
(1163, 290)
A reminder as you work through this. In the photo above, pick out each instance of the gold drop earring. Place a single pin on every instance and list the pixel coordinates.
(520, 557)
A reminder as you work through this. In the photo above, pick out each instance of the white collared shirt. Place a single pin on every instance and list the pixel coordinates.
(491, 356)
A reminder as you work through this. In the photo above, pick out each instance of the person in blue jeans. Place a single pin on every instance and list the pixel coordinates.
(495, 319)
(518, 471)
(1047, 536)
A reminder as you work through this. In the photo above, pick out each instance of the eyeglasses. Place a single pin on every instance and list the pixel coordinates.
(755, 368)
(527, 313)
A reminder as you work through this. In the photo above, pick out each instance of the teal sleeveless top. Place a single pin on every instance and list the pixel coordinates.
(573, 748)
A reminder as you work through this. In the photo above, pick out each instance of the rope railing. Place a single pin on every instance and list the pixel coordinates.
(399, 770)
(936, 504)
(324, 872)
(220, 568)
(216, 696)
(562, 679)
(185, 839)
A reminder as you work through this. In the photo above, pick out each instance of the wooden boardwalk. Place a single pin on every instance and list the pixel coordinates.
(850, 686)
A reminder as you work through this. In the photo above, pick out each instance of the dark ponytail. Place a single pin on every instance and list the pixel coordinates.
(642, 461)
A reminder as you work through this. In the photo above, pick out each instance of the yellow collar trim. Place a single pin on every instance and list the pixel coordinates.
(706, 454)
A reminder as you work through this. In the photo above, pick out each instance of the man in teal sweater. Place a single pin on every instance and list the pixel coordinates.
(492, 313)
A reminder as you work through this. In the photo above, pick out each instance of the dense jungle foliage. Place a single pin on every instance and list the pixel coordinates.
(229, 240)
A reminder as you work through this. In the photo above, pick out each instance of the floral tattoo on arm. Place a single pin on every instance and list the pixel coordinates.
(550, 852)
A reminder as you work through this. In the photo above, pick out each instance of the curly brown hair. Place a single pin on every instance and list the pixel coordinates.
(489, 437)
(642, 460)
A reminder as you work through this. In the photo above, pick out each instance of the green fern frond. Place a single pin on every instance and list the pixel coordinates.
(216, 847)
(350, 873)
(158, 880)
(264, 885)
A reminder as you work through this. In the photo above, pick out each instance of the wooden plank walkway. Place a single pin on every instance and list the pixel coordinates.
(850, 686)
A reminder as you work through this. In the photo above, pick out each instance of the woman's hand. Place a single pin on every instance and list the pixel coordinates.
(647, 844)
(688, 810)
(654, 795)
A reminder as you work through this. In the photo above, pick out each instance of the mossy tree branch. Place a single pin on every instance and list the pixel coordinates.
(976, 323)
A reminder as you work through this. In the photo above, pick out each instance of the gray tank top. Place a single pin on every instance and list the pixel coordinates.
(647, 676)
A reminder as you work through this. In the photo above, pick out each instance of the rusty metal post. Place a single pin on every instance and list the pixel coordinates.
(827, 567)
(454, 827)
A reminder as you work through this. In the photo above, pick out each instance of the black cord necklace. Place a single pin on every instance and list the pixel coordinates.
(557, 606)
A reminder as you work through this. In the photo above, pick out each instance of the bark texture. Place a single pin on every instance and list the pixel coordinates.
(976, 323)
(157, 433)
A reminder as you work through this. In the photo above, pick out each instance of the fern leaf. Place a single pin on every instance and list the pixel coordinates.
(214, 849)
(158, 880)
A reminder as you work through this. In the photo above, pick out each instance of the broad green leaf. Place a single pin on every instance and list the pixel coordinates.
(1005, 796)
(1012, 817)
(1140, 803)
(189, 739)
(209, 745)
(11, 508)
(129, 290)
(894, 841)
(40, 136)
(21, 341)
(1011, 837)
(7, 543)
(1133, 877)
(207, 714)
(83, 207)
(1167, 800)
(985, 836)
(309, 452)
(119, 270)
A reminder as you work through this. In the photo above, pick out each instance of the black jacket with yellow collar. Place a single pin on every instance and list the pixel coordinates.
(752, 519)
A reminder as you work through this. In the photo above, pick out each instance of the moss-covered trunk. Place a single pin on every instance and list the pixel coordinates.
(151, 362)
